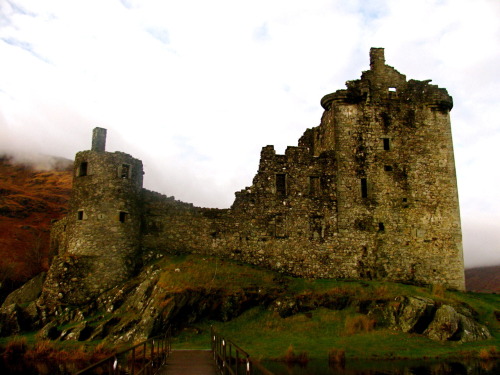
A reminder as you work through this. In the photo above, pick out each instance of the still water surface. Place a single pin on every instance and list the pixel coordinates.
(313, 368)
(421, 367)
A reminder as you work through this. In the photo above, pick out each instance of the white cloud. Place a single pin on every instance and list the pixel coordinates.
(196, 88)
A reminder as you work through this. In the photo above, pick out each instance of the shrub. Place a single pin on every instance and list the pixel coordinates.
(15, 347)
(43, 349)
(486, 354)
(359, 323)
(292, 358)
(336, 357)
(438, 290)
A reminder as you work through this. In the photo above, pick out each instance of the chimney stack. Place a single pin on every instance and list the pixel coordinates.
(377, 58)
(99, 140)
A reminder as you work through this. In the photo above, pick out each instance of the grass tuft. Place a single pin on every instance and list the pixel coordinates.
(336, 357)
(358, 324)
(292, 358)
(15, 347)
(487, 354)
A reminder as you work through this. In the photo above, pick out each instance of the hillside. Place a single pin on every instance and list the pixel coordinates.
(483, 279)
(30, 199)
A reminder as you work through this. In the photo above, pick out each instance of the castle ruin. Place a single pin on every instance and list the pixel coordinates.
(370, 193)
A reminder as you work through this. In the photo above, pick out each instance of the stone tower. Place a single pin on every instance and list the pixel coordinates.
(99, 240)
(397, 197)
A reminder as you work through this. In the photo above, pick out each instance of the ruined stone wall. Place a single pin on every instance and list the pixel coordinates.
(370, 193)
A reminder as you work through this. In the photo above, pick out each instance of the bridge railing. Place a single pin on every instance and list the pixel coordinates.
(141, 359)
(230, 359)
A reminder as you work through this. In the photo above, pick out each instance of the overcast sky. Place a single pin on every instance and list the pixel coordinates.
(196, 88)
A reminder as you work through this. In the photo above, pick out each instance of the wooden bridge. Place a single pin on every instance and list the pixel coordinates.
(156, 357)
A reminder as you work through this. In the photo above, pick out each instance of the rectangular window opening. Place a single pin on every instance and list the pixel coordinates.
(125, 171)
(280, 226)
(83, 169)
(364, 188)
(314, 186)
(387, 144)
(392, 89)
(381, 227)
(388, 168)
(80, 215)
(123, 216)
(281, 185)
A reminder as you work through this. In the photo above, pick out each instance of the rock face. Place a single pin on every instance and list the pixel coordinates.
(424, 316)
(28, 292)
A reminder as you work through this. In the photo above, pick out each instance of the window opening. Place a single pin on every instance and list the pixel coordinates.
(314, 186)
(281, 184)
(392, 89)
(364, 188)
(80, 215)
(123, 216)
(83, 169)
(387, 144)
(280, 226)
(317, 227)
(381, 227)
(388, 168)
(125, 171)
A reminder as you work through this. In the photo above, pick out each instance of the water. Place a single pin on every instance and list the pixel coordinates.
(421, 367)
(315, 367)
(21, 367)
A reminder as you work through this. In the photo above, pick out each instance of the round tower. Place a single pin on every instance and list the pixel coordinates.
(103, 222)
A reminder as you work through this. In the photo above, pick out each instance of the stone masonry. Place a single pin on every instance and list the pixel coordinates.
(370, 193)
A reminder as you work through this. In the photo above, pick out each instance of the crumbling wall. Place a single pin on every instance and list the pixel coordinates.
(370, 193)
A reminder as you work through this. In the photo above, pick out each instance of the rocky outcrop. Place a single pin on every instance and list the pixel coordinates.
(450, 325)
(26, 293)
(146, 304)
(425, 316)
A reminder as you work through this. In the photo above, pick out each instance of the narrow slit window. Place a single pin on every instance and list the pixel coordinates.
(386, 143)
(364, 188)
(392, 89)
(123, 216)
(83, 169)
(80, 215)
(281, 185)
(381, 227)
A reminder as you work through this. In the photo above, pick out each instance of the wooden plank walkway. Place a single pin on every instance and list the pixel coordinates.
(189, 362)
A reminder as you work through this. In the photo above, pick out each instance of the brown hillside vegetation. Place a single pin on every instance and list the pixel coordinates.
(30, 200)
(483, 279)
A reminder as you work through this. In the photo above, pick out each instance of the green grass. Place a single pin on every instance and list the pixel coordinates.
(264, 334)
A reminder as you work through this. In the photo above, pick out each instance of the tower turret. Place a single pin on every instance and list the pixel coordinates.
(104, 220)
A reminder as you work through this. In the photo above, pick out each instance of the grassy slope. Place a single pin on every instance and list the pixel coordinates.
(263, 333)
